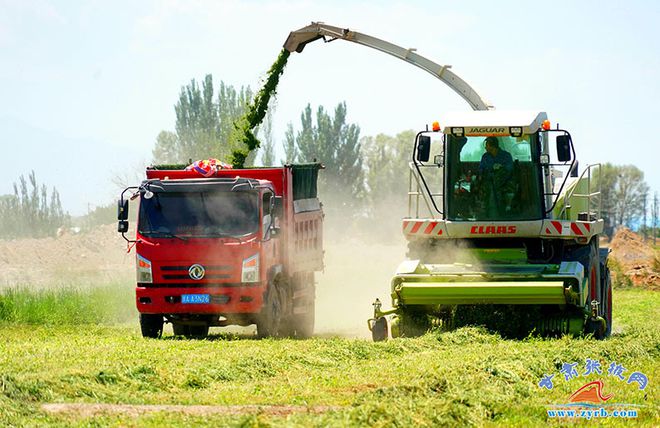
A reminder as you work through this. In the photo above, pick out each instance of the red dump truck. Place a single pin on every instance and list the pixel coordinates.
(238, 247)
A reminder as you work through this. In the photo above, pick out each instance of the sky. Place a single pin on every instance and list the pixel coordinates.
(88, 85)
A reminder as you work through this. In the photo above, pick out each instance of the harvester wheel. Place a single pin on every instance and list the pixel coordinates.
(413, 323)
(379, 330)
(595, 327)
(607, 301)
(151, 325)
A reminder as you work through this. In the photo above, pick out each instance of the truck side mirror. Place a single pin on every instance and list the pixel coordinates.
(266, 202)
(122, 209)
(423, 148)
(278, 207)
(563, 148)
(122, 226)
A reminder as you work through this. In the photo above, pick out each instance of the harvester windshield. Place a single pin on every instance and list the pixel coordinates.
(199, 214)
(493, 178)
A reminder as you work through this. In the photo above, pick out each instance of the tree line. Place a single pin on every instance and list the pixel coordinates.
(31, 211)
(366, 177)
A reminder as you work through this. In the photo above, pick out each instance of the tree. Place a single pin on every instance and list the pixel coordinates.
(268, 148)
(335, 143)
(290, 150)
(204, 123)
(386, 162)
(30, 212)
(623, 193)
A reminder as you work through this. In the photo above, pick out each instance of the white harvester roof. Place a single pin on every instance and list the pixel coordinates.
(492, 122)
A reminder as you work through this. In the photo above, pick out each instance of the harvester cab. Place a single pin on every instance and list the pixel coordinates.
(498, 215)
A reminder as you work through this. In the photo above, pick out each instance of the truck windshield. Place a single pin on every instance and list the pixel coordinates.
(493, 178)
(199, 214)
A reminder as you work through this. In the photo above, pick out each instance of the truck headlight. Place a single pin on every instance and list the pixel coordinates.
(250, 271)
(143, 269)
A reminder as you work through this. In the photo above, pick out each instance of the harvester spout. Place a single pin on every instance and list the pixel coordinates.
(298, 39)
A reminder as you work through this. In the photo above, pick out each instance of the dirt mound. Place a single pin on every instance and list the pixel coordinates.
(640, 262)
(80, 258)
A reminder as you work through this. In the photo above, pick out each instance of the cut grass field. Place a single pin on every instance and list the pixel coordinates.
(467, 377)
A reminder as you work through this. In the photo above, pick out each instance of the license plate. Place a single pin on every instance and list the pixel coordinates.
(195, 298)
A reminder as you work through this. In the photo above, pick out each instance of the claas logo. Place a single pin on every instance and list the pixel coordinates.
(493, 230)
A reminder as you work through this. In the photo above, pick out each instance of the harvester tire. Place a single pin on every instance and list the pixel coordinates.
(413, 323)
(607, 300)
(595, 327)
(151, 325)
(587, 255)
(379, 330)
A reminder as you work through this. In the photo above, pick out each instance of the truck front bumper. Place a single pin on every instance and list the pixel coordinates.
(235, 299)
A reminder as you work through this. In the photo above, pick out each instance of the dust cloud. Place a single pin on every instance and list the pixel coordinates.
(360, 261)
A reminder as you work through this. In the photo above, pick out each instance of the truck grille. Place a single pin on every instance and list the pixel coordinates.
(185, 268)
(195, 284)
(181, 272)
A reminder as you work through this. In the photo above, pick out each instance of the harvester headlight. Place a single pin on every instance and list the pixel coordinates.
(515, 131)
(458, 131)
(143, 270)
(250, 271)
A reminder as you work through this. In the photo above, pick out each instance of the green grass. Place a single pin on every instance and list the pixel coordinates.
(107, 303)
(467, 377)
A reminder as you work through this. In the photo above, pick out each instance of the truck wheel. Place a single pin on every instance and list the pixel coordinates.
(379, 330)
(191, 331)
(151, 325)
(197, 331)
(268, 323)
(180, 329)
(301, 326)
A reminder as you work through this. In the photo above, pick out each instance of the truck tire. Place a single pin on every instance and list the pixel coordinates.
(270, 318)
(151, 325)
(191, 331)
(301, 325)
(179, 329)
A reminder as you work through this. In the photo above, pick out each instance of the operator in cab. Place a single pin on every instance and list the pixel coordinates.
(496, 170)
